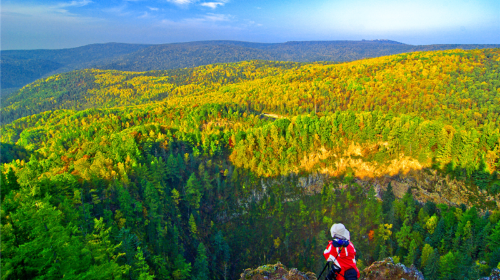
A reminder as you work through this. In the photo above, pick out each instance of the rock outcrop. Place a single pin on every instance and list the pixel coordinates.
(388, 270)
(275, 272)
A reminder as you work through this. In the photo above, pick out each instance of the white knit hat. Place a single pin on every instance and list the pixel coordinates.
(339, 230)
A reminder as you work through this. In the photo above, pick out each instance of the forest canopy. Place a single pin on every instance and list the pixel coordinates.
(172, 174)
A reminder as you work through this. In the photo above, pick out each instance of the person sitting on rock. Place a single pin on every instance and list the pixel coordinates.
(342, 253)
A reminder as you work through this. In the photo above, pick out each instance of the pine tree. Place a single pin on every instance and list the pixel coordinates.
(220, 258)
(494, 258)
(388, 198)
(438, 234)
(493, 242)
(38, 242)
(105, 263)
(466, 268)
(9, 182)
(201, 271)
(427, 252)
(181, 165)
(192, 226)
(412, 253)
(431, 270)
(193, 194)
(448, 266)
(182, 269)
(126, 203)
(142, 267)
(173, 169)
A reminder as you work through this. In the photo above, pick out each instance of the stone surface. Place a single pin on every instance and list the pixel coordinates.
(388, 270)
(275, 272)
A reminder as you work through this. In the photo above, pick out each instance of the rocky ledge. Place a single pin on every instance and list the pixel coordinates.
(275, 272)
(388, 270)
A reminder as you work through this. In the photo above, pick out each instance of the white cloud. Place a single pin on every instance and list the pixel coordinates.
(212, 5)
(153, 8)
(182, 2)
(208, 19)
(74, 3)
(41, 10)
(216, 17)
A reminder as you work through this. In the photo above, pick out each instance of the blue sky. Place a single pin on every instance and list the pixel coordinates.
(35, 24)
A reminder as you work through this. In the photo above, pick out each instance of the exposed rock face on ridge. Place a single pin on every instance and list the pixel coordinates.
(388, 270)
(275, 272)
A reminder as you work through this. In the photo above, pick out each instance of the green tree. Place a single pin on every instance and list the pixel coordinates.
(493, 242)
(388, 198)
(36, 241)
(192, 226)
(412, 254)
(448, 266)
(431, 270)
(142, 267)
(9, 182)
(427, 252)
(182, 269)
(173, 169)
(105, 263)
(193, 194)
(201, 271)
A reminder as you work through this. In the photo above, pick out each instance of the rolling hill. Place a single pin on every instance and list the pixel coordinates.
(21, 67)
(172, 174)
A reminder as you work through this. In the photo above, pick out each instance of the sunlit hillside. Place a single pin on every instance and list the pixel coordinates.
(172, 174)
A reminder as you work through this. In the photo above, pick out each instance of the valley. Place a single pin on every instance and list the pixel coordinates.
(203, 172)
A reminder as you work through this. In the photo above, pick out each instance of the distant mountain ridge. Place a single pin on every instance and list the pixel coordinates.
(21, 67)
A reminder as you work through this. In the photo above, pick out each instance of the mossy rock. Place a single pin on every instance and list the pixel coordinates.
(275, 272)
(388, 270)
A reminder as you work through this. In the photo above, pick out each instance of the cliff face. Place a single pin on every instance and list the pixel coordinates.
(275, 272)
(388, 270)
(430, 185)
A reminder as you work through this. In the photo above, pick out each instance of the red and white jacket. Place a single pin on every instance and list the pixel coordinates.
(344, 257)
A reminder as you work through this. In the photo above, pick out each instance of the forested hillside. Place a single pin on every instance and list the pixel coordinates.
(100, 88)
(201, 173)
(21, 67)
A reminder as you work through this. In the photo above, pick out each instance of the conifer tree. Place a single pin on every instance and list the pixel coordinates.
(493, 242)
(9, 182)
(192, 226)
(200, 268)
(105, 263)
(182, 269)
(173, 170)
(388, 198)
(448, 266)
(431, 269)
(142, 267)
(193, 194)
(466, 268)
(412, 253)
(427, 252)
